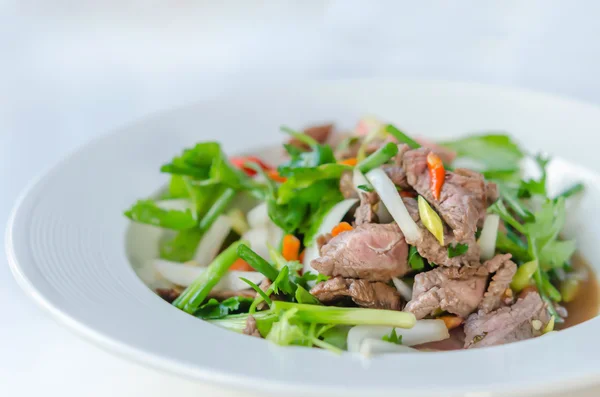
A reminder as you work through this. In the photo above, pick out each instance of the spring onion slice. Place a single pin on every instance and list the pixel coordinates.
(404, 289)
(393, 202)
(487, 239)
(423, 331)
(431, 220)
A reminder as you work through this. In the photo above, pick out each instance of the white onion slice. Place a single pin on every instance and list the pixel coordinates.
(404, 289)
(383, 214)
(184, 275)
(487, 238)
(258, 238)
(258, 216)
(424, 331)
(393, 202)
(213, 240)
(371, 347)
(333, 217)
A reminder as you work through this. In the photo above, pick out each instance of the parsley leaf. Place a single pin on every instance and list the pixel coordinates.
(457, 250)
(393, 337)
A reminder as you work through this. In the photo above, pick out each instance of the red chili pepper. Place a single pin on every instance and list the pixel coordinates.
(240, 162)
(437, 174)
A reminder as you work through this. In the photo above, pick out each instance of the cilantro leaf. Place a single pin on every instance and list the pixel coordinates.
(214, 309)
(148, 212)
(491, 151)
(533, 187)
(366, 188)
(457, 250)
(303, 296)
(393, 337)
(556, 253)
(415, 260)
(182, 246)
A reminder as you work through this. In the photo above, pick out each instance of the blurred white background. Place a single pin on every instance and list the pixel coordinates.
(72, 70)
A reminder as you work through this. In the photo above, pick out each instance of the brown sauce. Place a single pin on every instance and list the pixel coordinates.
(585, 306)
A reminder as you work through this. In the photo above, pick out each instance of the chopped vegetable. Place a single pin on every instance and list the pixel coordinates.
(495, 152)
(371, 347)
(303, 296)
(258, 263)
(351, 161)
(340, 228)
(241, 265)
(240, 162)
(347, 315)
(238, 221)
(390, 197)
(291, 247)
(404, 289)
(431, 220)
(393, 337)
(457, 250)
(193, 296)
(214, 309)
(147, 211)
(381, 156)
(550, 326)
(489, 235)
(237, 322)
(423, 331)
(569, 288)
(274, 175)
(522, 277)
(573, 190)
(415, 260)
(212, 240)
(452, 322)
(437, 174)
(401, 137)
(365, 188)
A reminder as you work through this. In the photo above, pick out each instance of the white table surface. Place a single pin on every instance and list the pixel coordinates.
(70, 72)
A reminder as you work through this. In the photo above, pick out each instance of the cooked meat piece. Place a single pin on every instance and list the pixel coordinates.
(371, 251)
(323, 239)
(251, 327)
(168, 294)
(397, 175)
(456, 291)
(462, 198)
(222, 295)
(365, 213)
(504, 270)
(364, 293)
(447, 155)
(429, 247)
(491, 192)
(320, 133)
(523, 320)
(347, 186)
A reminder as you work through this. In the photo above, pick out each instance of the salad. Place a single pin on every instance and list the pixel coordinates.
(378, 243)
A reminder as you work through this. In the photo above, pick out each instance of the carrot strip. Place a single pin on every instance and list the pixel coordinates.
(301, 256)
(241, 265)
(437, 174)
(351, 161)
(340, 228)
(274, 175)
(452, 321)
(291, 247)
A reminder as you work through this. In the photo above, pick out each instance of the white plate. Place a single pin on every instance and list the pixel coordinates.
(66, 240)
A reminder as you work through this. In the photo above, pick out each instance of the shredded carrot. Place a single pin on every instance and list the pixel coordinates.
(407, 193)
(241, 265)
(452, 321)
(351, 161)
(291, 247)
(437, 174)
(301, 256)
(340, 228)
(274, 175)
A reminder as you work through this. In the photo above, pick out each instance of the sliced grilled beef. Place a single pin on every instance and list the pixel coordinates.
(371, 251)
(168, 294)
(365, 213)
(456, 291)
(462, 198)
(323, 239)
(319, 133)
(504, 270)
(523, 320)
(397, 175)
(429, 247)
(364, 293)
(250, 328)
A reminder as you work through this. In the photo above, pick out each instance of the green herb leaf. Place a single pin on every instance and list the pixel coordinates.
(457, 250)
(393, 337)
(214, 309)
(146, 211)
(415, 260)
(492, 151)
(556, 253)
(181, 247)
(401, 137)
(366, 188)
(303, 296)
(576, 188)
(536, 187)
